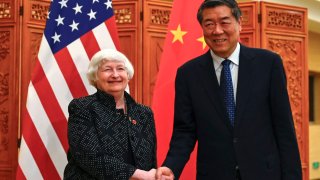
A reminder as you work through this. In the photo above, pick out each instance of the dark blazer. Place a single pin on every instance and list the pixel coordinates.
(102, 138)
(262, 145)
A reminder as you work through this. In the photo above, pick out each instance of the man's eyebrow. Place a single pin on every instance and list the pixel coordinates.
(206, 20)
(222, 18)
(225, 18)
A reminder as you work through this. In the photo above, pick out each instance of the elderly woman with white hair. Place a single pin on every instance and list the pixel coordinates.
(110, 135)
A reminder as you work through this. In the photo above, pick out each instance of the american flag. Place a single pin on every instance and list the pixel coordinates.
(74, 31)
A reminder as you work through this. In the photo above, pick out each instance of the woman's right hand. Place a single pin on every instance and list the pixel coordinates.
(144, 175)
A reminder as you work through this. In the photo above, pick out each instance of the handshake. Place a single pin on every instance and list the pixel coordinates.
(162, 173)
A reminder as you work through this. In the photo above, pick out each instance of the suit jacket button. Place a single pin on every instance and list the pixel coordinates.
(235, 140)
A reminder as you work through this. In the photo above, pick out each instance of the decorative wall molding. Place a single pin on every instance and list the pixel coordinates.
(159, 16)
(35, 42)
(124, 15)
(246, 17)
(247, 38)
(285, 19)
(39, 11)
(4, 44)
(290, 51)
(250, 34)
(155, 54)
(4, 116)
(5, 10)
(4, 87)
(4, 130)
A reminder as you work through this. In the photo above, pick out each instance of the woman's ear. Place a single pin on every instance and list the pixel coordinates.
(129, 78)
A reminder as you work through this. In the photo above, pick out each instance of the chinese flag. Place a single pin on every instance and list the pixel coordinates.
(184, 41)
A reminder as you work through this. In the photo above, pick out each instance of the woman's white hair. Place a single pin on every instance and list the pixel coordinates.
(103, 56)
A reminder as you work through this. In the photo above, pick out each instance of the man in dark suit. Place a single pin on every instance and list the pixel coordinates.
(251, 137)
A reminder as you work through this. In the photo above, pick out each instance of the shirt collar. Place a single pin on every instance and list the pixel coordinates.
(234, 57)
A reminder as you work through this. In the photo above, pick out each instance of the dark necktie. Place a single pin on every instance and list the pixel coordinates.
(227, 90)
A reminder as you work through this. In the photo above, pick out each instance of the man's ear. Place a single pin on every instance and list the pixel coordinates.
(240, 23)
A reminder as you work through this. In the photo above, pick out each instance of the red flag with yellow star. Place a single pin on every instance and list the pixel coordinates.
(184, 41)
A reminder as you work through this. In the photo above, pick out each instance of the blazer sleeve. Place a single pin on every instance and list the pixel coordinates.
(283, 124)
(184, 129)
(153, 127)
(85, 147)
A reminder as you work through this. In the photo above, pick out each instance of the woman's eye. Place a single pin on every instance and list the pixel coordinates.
(106, 69)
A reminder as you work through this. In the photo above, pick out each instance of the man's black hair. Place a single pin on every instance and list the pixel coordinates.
(232, 4)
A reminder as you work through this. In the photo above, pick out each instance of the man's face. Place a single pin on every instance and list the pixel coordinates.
(221, 30)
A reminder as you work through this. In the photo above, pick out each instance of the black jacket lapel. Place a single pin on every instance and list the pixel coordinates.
(210, 82)
(245, 78)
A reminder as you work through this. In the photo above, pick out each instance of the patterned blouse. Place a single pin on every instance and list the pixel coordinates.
(105, 143)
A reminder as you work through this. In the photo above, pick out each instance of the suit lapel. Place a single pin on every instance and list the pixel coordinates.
(245, 78)
(209, 79)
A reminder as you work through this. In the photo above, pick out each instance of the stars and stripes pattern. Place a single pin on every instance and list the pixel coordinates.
(74, 31)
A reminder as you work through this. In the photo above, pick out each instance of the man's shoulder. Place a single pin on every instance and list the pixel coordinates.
(256, 51)
(196, 61)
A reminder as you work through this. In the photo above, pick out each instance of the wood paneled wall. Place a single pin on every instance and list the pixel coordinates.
(156, 16)
(127, 15)
(142, 27)
(9, 86)
(250, 34)
(284, 30)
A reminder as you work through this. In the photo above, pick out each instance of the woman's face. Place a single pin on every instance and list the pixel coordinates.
(112, 77)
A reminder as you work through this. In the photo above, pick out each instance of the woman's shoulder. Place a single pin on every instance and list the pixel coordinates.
(141, 110)
(136, 106)
(83, 102)
(144, 107)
